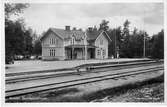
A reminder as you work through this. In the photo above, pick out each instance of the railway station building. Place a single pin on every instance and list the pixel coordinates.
(67, 44)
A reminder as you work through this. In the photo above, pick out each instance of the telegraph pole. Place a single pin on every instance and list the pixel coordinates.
(85, 52)
(115, 45)
(85, 47)
(144, 47)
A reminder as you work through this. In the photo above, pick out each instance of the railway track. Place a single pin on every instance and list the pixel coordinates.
(87, 69)
(74, 82)
(84, 65)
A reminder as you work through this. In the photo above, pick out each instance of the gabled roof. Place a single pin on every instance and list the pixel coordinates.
(93, 35)
(65, 34)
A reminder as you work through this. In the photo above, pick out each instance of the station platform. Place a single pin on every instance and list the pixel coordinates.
(39, 65)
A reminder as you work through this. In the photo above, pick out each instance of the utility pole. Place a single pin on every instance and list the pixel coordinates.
(144, 48)
(115, 44)
(85, 52)
(85, 43)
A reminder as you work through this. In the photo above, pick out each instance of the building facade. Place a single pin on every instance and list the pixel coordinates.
(67, 44)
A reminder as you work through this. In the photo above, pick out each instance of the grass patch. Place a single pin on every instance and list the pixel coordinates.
(60, 92)
(156, 95)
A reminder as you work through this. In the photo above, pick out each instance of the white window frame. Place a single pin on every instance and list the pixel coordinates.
(53, 41)
(98, 52)
(50, 40)
(54, 52)
(50, 52)
(104, 52)
(101, 41)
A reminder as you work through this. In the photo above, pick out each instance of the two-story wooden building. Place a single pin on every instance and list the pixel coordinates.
(61, 44)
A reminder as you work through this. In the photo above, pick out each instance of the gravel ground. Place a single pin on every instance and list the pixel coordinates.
(151, 90)
(39, 65)
(147, 93)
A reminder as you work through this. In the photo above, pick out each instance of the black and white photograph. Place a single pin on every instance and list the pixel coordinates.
(58, 52)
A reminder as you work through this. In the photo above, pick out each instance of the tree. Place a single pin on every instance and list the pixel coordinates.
(94, 28)
(125, 46)
(14, 8)
(104, 25)
(14, 38)
(126, 28)
(17, 39)
(133, 43)
(27, 43)
(37, 50)
(137, 43)
(116, 37)
(157, 48)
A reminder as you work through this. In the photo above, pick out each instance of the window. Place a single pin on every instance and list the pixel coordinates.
(52, 52)
(104, 52)
(98, 52)
(53, 40)
(101, 42)
(50, 40)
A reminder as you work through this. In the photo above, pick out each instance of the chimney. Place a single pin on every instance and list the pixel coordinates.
(80, 29)
(90, 29)
(95, 28)
(67, 28)
(74, 28)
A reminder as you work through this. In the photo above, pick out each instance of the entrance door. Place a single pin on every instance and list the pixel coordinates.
(92, 53)
(103, 53)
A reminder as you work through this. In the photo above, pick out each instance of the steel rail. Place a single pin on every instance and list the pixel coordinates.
(29, 78)
(23, 91)
(84, 65)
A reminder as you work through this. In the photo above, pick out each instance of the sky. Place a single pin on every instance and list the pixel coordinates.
(144, 16)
